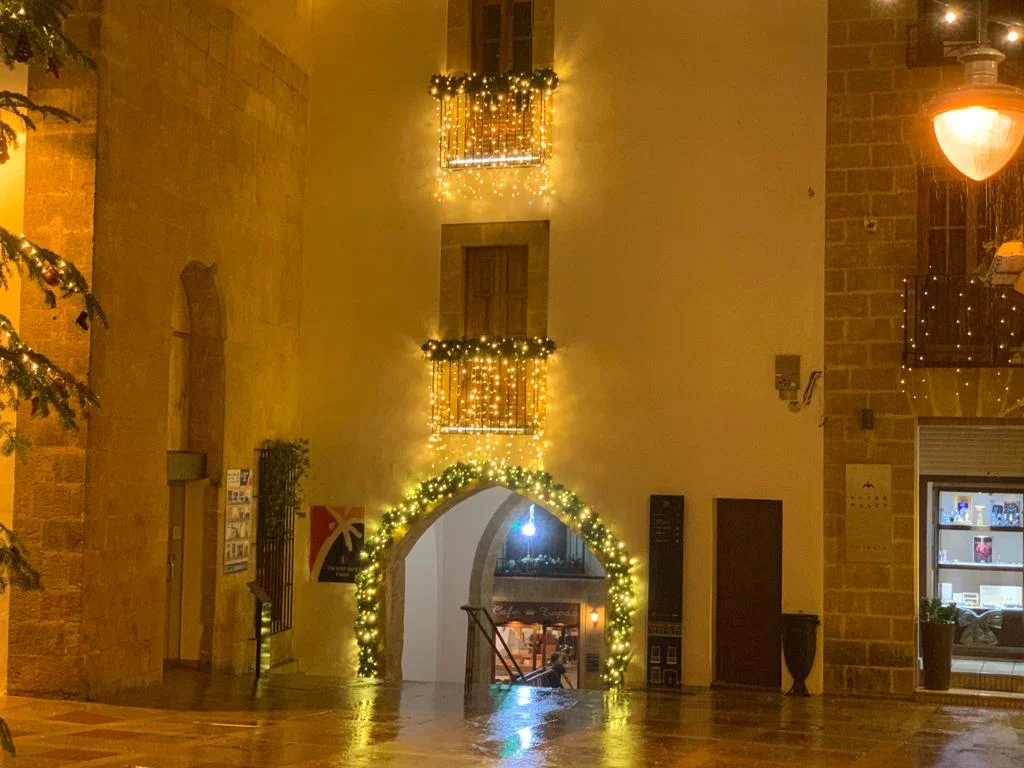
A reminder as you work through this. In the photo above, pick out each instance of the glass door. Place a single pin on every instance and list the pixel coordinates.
(978, 557)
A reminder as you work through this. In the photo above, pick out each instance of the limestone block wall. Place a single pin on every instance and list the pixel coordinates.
(875, 139)
(45, 646)
(200, 135)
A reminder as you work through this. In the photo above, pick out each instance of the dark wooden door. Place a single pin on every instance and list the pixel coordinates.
(748, 602)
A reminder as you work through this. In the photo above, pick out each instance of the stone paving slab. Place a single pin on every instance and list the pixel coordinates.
(303, 722)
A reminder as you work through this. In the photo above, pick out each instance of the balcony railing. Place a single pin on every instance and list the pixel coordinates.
(960, 321)
(541, 566)
(494, 122)
(488, 386)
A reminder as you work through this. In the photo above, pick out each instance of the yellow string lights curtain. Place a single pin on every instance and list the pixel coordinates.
(494, 134)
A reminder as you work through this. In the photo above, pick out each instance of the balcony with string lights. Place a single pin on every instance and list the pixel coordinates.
(962, 321)
(488, 386)
(494, 133)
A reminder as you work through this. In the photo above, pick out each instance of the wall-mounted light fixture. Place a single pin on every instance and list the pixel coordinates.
(595, 617)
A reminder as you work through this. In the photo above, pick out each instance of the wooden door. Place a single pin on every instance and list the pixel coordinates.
(748, 601)
(175, 560)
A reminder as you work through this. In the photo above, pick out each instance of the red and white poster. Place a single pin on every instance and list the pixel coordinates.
(335, 540)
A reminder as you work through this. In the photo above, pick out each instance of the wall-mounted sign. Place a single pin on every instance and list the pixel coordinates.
(869, 513)
(548, 614)
(593, 662)
(335, 540)
(238, 520)
(665, 604)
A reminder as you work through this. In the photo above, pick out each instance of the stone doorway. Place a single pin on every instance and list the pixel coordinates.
(383, 589)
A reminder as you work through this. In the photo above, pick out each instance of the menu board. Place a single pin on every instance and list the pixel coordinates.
(665, 592)
(238, 520)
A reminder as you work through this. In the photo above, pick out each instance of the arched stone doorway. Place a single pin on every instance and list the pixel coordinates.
(520, 599)
(196, 413)
(380, 584)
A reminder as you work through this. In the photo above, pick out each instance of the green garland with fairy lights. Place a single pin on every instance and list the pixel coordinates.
(609, 549)
(498, 346)
(493, 86)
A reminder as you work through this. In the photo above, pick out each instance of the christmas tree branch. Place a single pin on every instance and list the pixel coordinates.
(31, 32)
(48, 270)
(22, 107)
(29, 375)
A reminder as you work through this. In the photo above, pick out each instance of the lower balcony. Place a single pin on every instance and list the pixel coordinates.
(959, 321)
(488, 386)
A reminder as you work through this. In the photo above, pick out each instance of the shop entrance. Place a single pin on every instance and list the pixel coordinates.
(533, 632)
(971, 499)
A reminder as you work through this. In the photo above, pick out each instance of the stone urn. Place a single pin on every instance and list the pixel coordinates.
(799, 645)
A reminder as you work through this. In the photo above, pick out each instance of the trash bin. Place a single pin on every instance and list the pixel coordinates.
(799, 645)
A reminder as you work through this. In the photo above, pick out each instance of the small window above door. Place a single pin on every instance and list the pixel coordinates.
(502, 36)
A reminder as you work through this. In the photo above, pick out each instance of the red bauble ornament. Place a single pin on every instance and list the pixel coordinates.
(51, 276)
(23, 48)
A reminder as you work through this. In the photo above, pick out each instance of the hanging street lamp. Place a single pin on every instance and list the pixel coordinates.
(980, 124)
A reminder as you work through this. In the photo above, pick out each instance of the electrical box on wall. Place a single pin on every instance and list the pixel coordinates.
(787, 376)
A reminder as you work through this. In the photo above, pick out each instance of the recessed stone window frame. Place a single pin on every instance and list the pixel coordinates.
(456, 238)
(460, 35)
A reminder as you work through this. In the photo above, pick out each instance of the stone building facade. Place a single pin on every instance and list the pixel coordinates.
(879, 144)
(189, 160)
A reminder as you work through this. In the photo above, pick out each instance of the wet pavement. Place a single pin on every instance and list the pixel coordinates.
(221, 722)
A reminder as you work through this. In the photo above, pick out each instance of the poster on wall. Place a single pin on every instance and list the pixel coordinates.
(238, 520)
(335, 540)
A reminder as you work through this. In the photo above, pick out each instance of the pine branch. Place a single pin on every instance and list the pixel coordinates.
(11, 444)
(29, 375)
(48, 270)
(31, 32)
(22, 107)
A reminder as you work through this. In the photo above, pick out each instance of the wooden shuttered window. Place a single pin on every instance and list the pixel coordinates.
(954, 222)
(496, 291)
(502, 36)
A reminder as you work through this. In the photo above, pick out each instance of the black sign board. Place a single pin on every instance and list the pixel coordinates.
(665, 593)
(593, 662)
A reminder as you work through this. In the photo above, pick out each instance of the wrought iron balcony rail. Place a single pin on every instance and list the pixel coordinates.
(542, 567)
(931, 43)
(494, 121)
(488, 386)
(960, 321)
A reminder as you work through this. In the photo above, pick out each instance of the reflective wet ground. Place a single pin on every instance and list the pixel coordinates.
(220, 722)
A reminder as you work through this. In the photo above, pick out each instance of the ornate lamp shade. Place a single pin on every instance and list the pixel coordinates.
(980, 125)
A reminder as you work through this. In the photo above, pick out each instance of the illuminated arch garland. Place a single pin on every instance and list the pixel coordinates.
(610, 550)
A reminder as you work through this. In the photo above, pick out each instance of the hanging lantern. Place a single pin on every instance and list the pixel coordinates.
(979, 125)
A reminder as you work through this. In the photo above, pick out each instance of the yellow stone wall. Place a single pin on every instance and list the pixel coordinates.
(197, 136)
(12, 214)
(685, 253)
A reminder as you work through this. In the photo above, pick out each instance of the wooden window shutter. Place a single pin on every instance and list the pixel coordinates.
(497, 284)
(502, 36)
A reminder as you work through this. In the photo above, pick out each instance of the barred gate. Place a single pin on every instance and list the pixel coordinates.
(275, 537)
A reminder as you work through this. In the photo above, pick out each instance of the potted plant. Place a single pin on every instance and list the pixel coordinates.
(938, 625)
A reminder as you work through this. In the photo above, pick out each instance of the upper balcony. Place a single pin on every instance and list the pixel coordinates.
(963, 322)
(492, 123)
(491, 386)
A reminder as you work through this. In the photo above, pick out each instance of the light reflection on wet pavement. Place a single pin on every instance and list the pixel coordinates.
(222, 722)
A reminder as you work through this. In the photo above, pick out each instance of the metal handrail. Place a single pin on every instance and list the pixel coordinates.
(472, 612)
